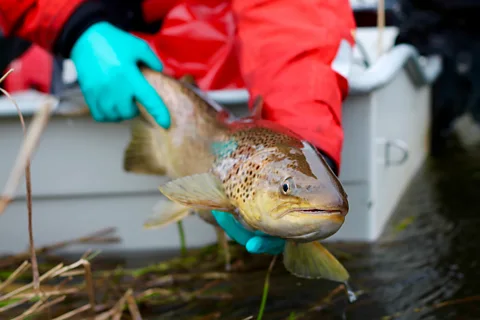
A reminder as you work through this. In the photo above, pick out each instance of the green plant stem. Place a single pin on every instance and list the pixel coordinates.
(183, 242)
(265, 289)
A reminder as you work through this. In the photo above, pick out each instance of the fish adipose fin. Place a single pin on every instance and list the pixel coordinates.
(166, 212)
(257, 108)
(141, 155)
(313, 261)
(199, 191)
(188, 78)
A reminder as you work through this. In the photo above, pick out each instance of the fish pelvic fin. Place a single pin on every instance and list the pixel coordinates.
(198, 191)
(207, 216)
(312, 261)
(141, 154)
(166, 212)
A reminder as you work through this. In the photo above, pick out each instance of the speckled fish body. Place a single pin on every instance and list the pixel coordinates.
(273, 182)
(184, 148)
(257, 160)
(181, 150)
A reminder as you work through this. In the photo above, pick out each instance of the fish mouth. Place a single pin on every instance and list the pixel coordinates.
(317, 211)
(324, 223)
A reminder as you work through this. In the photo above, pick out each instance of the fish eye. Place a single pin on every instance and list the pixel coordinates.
(287, 186)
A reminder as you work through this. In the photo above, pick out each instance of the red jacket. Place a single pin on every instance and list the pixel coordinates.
(284, 50)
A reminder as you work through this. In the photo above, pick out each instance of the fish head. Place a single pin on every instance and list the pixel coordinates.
(293, 194)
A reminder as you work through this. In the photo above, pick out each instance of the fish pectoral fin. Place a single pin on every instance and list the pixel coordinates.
(140, 156)
(190, 79)
(312, 261)
(257, 107)
(199, 191)
(166, 212)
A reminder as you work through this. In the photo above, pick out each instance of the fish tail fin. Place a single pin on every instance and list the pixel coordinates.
(166, 212)
(312, 261)
(142, 153)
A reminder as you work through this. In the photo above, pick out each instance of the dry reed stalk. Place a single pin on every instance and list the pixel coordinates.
(17, 273)
(30, 143)
(116, 311)
(48, 293)
(43, 303)
(74, 312)
(14, 305)
(132, 306)
(39, 306)
(380, 26)
(101, 236)
(23, 163)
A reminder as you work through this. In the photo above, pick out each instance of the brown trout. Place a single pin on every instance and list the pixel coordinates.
(182, 150)
(265, 175)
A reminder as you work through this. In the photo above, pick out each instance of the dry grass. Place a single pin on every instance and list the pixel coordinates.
(43, 298)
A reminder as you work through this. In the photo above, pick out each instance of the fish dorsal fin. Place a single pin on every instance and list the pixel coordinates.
(227, 115)
(199, 191)
(257, 108)
(313, 261)
(141, 155)
(188, 78)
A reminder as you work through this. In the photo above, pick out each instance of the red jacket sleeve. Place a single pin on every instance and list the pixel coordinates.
(38, 21)
(297, 54)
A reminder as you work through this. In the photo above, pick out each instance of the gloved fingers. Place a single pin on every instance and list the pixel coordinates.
(148, 97)
(128, 110)
(125, 107)
(108, 103)
(234, 230)
(92, 103)
(146, 55)
(265, 244)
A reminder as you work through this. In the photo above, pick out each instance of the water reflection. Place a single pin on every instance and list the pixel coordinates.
(428, 270)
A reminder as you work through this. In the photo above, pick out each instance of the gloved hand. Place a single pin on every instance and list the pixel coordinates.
(254, 242)
(106, 58)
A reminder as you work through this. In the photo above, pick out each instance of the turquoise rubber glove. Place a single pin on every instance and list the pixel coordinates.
(106, 58)
(254, 242)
